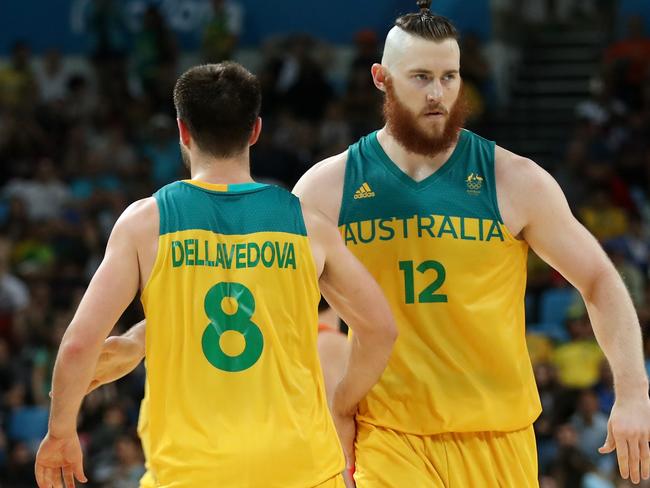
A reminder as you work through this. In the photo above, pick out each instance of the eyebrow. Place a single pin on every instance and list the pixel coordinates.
(429, 72)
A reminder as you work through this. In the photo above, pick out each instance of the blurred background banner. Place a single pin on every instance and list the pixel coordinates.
(67, 24)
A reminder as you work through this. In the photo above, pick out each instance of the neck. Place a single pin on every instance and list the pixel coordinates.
(225, 171)
(417, 166)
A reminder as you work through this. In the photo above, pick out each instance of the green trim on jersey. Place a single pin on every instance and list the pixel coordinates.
(376, 188)
(245, 208)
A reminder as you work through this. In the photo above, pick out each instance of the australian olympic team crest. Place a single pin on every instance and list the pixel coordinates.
(474, 184)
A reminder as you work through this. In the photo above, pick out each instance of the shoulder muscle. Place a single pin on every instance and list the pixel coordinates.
(321, 187)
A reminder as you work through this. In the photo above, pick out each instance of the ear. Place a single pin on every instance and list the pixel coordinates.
(184, 133)
(257, 129)
(379, 75)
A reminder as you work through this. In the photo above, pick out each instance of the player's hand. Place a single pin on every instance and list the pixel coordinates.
(57, 457)
(628, 432)
(346, 426)
(120, 355)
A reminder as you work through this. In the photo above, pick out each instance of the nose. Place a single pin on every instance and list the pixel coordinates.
(435, 92)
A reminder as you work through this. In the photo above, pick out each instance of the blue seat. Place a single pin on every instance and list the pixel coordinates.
(554, 305)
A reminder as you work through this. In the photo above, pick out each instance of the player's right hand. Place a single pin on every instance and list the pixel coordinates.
(57, 458)
(120, 355)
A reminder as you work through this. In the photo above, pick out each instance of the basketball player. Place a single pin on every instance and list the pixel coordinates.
(122, 354)
(443, 219)
(229, 272)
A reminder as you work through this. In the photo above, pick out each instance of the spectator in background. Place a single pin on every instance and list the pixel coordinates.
(367, 53)
(335, 134)
(14, 295)
(475, 71)
(362, 105)
(222, 30)
(272, 163)
(17, 83)
(80, 102)
(291, 75)
(603, 106)
(161, 149)
(103, 438)
(19, 472)
(300, 77)
(549, 394)
(590, 425)
(632, 276)
(109, 42)
(631, 58)
(578, 361)
(25, 422)
(570, 464)
(45, 195)
(52, 77)
(130, 463)
(636, 245)
(155, 56)
(603, 219)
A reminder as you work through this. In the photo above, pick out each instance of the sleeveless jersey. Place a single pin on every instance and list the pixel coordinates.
(234, 386)
(455, 279)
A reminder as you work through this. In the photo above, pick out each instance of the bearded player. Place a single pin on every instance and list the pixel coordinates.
(444, 219)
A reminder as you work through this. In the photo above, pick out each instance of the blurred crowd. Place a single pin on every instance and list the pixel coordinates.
(77, 145)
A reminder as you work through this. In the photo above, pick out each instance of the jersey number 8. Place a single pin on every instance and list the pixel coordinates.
(238, 321)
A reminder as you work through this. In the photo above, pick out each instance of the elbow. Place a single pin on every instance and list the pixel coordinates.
(70, 351)
(602, 275)
(389, 332)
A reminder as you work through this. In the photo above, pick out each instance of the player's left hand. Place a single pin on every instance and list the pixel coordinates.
(628, 432)
(57, 457)
(346, 426)
(119, 356)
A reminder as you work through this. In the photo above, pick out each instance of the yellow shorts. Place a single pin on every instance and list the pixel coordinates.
(147, 481)
(389, 459)
(336, 482)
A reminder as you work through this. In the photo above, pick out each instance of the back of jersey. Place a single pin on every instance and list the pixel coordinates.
(236, 394)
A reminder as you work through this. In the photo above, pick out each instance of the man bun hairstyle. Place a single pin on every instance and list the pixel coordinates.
(219, 103)
(426, 24)
(424, 5)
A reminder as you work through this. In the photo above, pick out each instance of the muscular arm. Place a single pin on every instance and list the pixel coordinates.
(111, 290)
(355, 295)
(557, 237)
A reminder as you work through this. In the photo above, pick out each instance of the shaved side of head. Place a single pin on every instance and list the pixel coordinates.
(397, 44)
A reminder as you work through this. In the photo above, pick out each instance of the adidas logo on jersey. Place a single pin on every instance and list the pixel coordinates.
(364, 191)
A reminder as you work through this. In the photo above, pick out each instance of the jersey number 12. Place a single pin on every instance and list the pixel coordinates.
(428, 295)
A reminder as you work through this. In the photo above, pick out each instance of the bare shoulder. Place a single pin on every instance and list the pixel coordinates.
(523, 188)
(318, 224)
(511, 167)
(321, 187)
(520, 178)
(140, 219)
(321, 232)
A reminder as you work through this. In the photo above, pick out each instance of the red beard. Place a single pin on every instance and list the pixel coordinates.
(408, 131)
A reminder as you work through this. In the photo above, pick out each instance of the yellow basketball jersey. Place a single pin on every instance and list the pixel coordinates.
(234, 387)
(455, 279)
